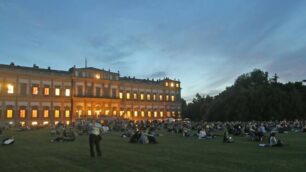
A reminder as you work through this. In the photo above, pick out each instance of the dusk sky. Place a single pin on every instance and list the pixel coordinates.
(205, 44)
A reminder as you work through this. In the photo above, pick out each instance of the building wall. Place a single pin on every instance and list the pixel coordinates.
(82, 93)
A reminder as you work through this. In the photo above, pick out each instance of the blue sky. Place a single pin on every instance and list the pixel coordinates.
(205, 44)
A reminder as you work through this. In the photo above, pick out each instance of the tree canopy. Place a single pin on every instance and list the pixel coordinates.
(254, 96)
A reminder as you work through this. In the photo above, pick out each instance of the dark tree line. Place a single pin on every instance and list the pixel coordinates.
(254, 96)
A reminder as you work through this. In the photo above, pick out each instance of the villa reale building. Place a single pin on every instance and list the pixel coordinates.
(36, 96)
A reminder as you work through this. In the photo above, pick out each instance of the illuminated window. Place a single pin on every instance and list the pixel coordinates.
(22, 113)
(34, 113)
(67, 92)
(56, 113)
(172, 84)
(154, 97)
(10, 89)
(35, 90)
(135, 96)
(167, 98)
(89, 112)
(149, 114)
(161, 114)
(114, 113)
(167, 84)
(0, 88)
(128, 114)
(135, 113)
(177, 85)
(172, 98)
(79, 113)
(121, 95)
(160, 97)
(9, 113)
(46, 91)
(121, 113)
(155, 114)
(46, 113)
(106, 112)
(142, 113)
(57, 91)
(148, 97)
(141, 96)
(168, 114)
(128, 96)
(98, 76)
(67, 113)
(173, 113)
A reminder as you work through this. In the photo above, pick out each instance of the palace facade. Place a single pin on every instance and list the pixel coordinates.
(36, 96)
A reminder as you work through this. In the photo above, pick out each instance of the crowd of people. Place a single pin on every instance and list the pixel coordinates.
(147, 132)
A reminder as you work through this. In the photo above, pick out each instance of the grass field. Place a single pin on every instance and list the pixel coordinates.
(33, 152)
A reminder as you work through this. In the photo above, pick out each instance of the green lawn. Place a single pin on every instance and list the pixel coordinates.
(33, 152)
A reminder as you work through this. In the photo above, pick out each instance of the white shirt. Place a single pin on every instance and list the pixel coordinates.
(96, 129)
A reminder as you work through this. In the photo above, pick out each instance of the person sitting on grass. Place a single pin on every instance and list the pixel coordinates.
(202, 134)
(227, 138)
(65, 137)
(273, 141)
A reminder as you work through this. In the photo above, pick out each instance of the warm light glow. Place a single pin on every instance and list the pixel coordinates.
(148, 97)
(22, 124)
(89, 112)
(45, 123)
(57, 91)
(161, 97)
(172, 98)
(34, 123)
(9, 113)
(168, 114)
(172, 84)
(56, 122)
(154, 97)
(97, 112)
(46, 113)
(128, 96)
(67, 92)
(155, 114)
(79, 112)
(34, 113)
(46, 91)
(121, 113)
(161, 114)
(67, 122)
(121, 95)
(56, 113)
(114, 113)
(167, 84)
(142, 113)
(141, 96)
(167, 98)
(98, 76)
(135, 96)
(149, 114)
(128, 114)
(106, 112)
(67, 113)
(177, 85)
(11, 122)
(10, 88)
(135, 113)
(22, 113)
(173, 113)
(35, 90)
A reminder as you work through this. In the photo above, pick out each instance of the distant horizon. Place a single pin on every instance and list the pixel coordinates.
(205, 44)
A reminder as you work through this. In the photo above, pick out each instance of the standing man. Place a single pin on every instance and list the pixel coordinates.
(95, 137)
